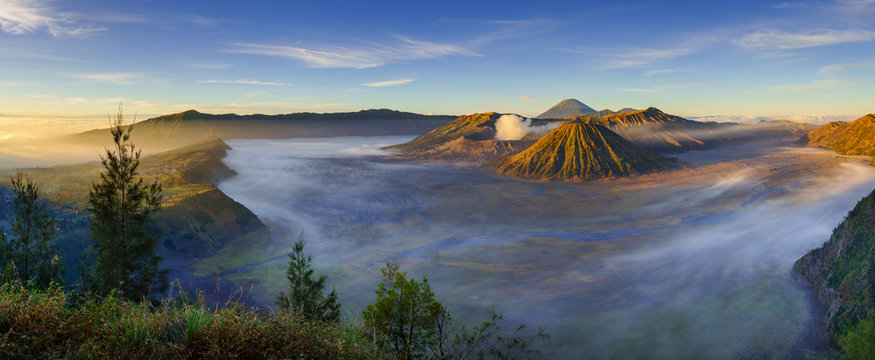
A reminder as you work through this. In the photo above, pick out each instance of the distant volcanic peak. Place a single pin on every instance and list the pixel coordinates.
(190, 114)
(567, 108)
(580, 151)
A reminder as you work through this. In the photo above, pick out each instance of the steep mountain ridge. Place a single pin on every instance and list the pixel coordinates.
(849, 138)
(580, 151)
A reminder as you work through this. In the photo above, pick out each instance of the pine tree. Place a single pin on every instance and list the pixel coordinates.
(121, 205)
(306, 289)
(31, 248)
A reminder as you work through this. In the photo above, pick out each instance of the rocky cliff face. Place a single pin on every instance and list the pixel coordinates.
(842, 271)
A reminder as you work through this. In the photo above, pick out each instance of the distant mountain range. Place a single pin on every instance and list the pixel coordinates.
(849, 138)
(581, 151)
(174, 130)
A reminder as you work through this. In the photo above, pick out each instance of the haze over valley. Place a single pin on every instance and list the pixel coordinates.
(447, 180)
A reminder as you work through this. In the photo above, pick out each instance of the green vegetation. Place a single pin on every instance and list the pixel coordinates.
(306, 295)
(578, 151)
(43, 324)
(407, 319)
(30, 254)
(122, 206)
(842, 272)
(859, 342)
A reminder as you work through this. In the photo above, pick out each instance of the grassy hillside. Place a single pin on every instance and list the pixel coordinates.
(842, 271)
(849, 138)
(579, 151)
(196, 219)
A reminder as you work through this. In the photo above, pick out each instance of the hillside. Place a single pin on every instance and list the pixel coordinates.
(842, 271)
(172, 131)
(849, 138)
(567, 108)
(474, 126)
(196, 217)
(579, 151)
(656, 130)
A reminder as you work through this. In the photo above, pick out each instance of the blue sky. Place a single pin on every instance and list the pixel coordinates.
(75, 60)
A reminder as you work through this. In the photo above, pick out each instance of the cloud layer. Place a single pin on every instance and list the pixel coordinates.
(358, 57)
(28, 16)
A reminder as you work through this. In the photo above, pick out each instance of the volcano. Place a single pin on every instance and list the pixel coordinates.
(567, 108)
(580, 151)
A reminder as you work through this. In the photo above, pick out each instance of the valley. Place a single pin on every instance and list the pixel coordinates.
(697, 255)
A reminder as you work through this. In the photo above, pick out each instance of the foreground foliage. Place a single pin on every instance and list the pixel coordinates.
(30, 253)
(122, 206)
(407, 320)
(42, 324)
(306, 289)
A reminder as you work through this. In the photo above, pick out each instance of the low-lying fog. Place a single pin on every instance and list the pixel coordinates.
(688, 265)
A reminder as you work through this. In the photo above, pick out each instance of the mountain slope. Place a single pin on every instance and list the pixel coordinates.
(474, 126)
(657, 130)
(579, 151)
(196, 217)
(567, 108)
(842, 271)
(849, 138)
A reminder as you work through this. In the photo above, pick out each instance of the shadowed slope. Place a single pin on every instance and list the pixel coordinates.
(578, 151)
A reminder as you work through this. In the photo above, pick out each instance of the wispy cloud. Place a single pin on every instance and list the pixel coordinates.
(358, 57)
(528, 97)
(857, 5)
(201, 21)
(655, 72)
(28, 16)
(209, 66)
(621, 58)
(835, 69)
(244, 82)
(110, 78)
(791, 5)
(655, 89)
(772, 39)
(389, 83)
(820, 85)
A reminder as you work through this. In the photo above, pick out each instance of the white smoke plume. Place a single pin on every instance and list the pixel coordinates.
(514, 127)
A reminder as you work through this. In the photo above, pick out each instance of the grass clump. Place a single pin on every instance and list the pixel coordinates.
(49, 324)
